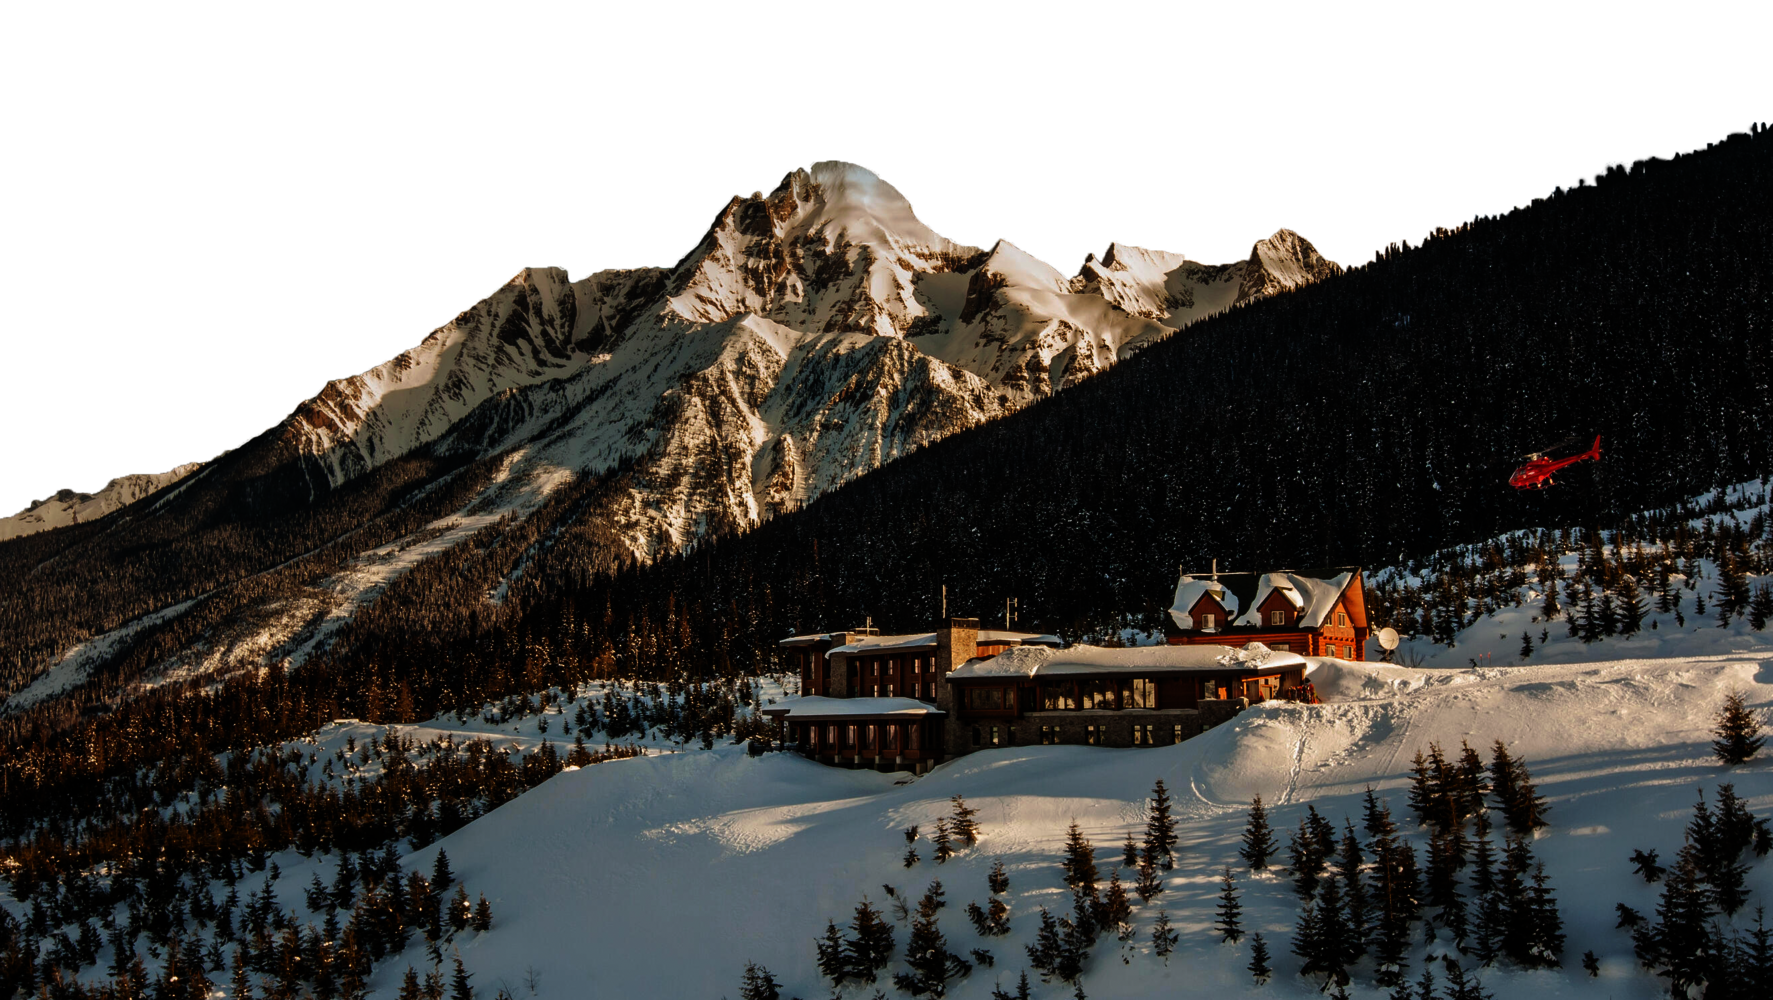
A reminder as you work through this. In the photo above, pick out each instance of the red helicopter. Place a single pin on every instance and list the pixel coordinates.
(1536, 474)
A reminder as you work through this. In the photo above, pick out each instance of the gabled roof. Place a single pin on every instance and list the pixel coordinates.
(1313, 592)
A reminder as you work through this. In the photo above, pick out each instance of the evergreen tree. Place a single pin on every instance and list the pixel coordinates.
(458, 983)
(1458, 986)
(1258, 838)
(963, 825)
(1424, 794)
(1737, 732)
(998, 880)
(1259, 968)
(1756, 955)
(1442, 883)
(759, 984)
(1591, 964)
(1160, 827)
(870, 944)
(1631, 609)
(1522, 805)
(833, 963)
(1425, 985)
(1526, 647)
(1349, 860)
(1115, 907)
(1376, 817)
(1043, 954)
(409, 986)
(1644, 863)
(1760, 607)
(1678, 944)
(482, 921)
(1129, 852)
(1229, 921)
(1149, 884)
(943, 841)
(1163, 936)
(1545, 944)
(240, 986)
(441, 877)
(1080, 860)
(928, 954)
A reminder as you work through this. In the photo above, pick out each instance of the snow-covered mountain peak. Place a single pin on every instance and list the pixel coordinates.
(842, 198)
(1283, 261)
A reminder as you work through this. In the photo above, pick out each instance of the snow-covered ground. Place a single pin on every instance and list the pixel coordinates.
(662, 876)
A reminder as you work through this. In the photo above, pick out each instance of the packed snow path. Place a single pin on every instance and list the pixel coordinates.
(662, 876)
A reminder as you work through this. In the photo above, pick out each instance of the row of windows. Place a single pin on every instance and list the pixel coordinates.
(1144, 734)
(874, 738)
(1211, 621)
(1136, 692)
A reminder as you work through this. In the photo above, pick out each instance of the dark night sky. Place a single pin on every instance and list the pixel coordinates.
(183, 284)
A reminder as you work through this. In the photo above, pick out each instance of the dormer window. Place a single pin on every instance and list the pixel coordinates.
(1342, 618)
(1277, 618)
(1206, 622)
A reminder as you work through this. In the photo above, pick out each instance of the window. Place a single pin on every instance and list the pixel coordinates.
(1206, 622)
(1049, 735)
(1281, 647)
(1093, 735)
(831, 738)
(914, 738)
(985, 698)
(849, 736)
(994, 738)
(1176, 735)
(1056, 695)
(1144, 693)
(1096, 694)
(1342, 618)
(873, 735)
(1142, 736)
(889, 689)
(812, 737)
(1277, 618)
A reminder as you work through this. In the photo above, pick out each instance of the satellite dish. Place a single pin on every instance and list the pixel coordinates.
(1387, 638)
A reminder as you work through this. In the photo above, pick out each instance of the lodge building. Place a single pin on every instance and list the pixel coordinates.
(1317, 612)
(908, 702)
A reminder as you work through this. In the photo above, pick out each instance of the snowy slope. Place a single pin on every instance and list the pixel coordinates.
(616, 859)
(69, 507)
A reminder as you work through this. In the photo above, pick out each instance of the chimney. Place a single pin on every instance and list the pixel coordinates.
(957, 641)
(1215, 571)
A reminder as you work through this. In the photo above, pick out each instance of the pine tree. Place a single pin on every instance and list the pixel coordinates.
(1522, 805)
(1425, 985)
(998, 880)
(1460, 988)
(1756, 958)
(1129, 852)
(1423, 793)
(1043, 954)
(1354, 891)
(1160, 827)
(963, 825)
(441, 877)
(1545, 944)
(1080, 860)
(1149, 884)
(1760, 607)
(482, 915)
(1229, 922)
(409, 986)
(1258, 838)
(458, 984)
(1737, 732)
(759, 984)
(870, 944)
(1679, 941)
(943, 841)
(1163, 936)
(241, 984)
(1259, 968)
(832, 962)
(1591, 964)
(1644, 863)
(926, 952)
(1526, 647)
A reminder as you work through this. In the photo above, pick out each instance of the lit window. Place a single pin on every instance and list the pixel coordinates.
(889, 689)
(994, 740)
(1142, 736)
(1206, 621)
(850, 736)
(1277, 618)
(1282, 647)
(1092, 735)
(1176, 737)
(1049, 735)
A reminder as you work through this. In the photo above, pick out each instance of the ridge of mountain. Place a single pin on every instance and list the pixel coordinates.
(72, 507)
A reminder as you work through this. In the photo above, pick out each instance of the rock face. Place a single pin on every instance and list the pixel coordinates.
(69, 507)
(812, 334)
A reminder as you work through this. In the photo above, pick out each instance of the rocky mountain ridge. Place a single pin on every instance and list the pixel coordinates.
(71, 507)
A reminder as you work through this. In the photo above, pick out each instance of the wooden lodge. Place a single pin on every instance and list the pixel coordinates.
(907, 702)
(1313, 612)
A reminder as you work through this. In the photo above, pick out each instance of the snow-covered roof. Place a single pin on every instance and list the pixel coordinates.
(820, 707)
(1312, 596)
(927, 640)
(1189, 591)
(1024, 662)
